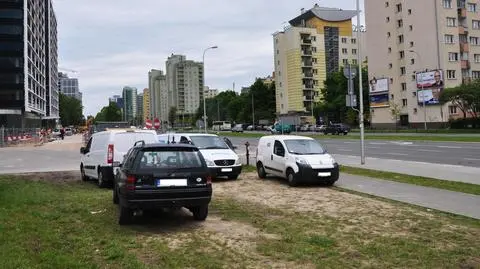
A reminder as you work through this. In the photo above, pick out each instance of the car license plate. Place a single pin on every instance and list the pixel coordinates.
(171, 182)
(324, 174)
(226, 170)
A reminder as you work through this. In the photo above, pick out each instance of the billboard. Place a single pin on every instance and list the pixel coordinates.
(431, 96)
(430, 79)
(379, 100)
(378, 85)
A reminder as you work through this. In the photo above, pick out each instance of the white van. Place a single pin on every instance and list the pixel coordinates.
(296, 158)
(221, 159)
(104, 149)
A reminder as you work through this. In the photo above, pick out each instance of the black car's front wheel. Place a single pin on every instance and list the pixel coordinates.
(200, 212)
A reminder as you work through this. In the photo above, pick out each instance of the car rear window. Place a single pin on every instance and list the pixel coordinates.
(168, 158)
(124, 141)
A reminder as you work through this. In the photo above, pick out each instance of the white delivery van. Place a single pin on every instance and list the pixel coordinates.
(296, 158)
(106, 148)
(221, 160)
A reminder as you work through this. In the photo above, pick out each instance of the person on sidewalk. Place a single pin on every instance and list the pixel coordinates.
(62, 133)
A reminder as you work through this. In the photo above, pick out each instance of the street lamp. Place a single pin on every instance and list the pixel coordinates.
(423, 93)
(360, 88)
(203, 90)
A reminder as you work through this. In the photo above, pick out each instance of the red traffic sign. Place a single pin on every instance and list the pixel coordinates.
(148, 123)
(156, 123)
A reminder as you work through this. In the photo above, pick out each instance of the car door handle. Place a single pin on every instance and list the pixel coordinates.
(271, 157)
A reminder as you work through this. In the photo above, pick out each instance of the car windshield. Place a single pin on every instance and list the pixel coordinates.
(304, 147)
(208, 142)
(169, 158)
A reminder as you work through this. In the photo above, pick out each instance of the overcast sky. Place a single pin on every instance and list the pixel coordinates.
(114, 43)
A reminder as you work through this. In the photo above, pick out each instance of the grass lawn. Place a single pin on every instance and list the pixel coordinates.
(425, 137)
(416, 180)
(72, 224)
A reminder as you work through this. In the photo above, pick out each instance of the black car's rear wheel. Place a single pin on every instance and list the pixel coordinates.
(115, 194)
(200, 212)
(125, 215)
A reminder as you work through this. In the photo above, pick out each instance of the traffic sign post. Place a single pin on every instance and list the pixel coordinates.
(148, 123)
(156, 123)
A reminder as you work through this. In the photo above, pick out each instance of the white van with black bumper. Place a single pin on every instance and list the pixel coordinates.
(297, 159)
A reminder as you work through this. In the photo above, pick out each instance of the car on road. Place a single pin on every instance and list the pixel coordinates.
(281, 129)
(238, 128)
(106, 148)
(222, 161)
(320, 128)
(337, 129)
(157, 176)
(295, 158)
(68, 131)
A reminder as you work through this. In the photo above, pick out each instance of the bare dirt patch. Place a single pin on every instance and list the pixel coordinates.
(51, 177)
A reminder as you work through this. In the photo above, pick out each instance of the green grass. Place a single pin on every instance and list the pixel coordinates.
(407, 240)
(425, 137)
(415, 180)
(248, 168)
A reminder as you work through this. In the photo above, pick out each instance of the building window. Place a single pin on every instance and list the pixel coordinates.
(449, 39)
(314, 38)
(278, 51)
(475, 24)
(399, 7)
(390, 66)
(404, 86)
(414, 94)
(451, 74)
(278, 62)
(392, 96)
(391, 80)
(400, 39)
(354, 51)
(400, 23)
(475, 74)
(411, 44)
(413, 78)
(354, 61)
(471, 7)
(314, 49)
(476, 57)
(409, 11)
(451, 22)
(404, 102)
(447, 3)
(345, 61)
(344, 51)
(474, 40)
(344, 40)
(388, 34)
(354, 41)
(388, 19)
(389, 50)
(412, 61)
(401, 54)
(452, 109)
(386, 4)
(402, 70)
(453, 56)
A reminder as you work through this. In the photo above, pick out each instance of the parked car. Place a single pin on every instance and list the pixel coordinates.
(156, 176)
(281, 129)
(238, 128)
(250, 128)
(337, 129)
(320, 128)
(222, 161)
(68, 131)
(304, 128)
(295, 158)
(106, 148)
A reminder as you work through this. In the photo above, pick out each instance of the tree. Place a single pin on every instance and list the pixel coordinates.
(172, 115)
(395, 111)
(109, 113)
(71, 110)
(465, 96)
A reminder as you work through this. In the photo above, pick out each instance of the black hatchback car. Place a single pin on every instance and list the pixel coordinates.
(156, 176)
(336, 129)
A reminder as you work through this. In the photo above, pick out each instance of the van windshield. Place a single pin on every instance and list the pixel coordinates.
(304, 147)
(208, 142)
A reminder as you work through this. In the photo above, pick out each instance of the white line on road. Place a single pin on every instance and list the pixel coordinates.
(449, 147)
(374, 147)
(349, 142)
(348, 150)
(471, 159)
(428, 150)
(397, 154)
(377, 143)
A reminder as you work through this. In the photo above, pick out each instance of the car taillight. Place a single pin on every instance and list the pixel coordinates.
(209, 179)
(110, 154)
(131, 183)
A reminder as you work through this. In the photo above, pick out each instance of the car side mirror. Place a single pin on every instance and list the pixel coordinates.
(82, 150)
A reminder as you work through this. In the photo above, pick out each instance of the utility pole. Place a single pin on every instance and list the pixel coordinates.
(360, 84)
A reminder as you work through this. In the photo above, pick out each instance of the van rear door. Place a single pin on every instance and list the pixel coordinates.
(125, 140)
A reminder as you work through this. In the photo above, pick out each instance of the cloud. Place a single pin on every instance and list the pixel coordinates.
(114, 43)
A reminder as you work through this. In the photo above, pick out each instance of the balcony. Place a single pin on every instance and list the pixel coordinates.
(307, 41)
(464, 47)
(308, 74)
(306, 53)
(465, 64)
(307, 64)
(462, 12)
(462, 30)
(308, 98)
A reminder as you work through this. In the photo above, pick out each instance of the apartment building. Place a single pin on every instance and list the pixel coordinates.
(146, 104)
(315, 44)
(158, 95)
(28, 63)
(69, 86)
(129, 96)
(139, 116)
(416, 49)
(209, 93)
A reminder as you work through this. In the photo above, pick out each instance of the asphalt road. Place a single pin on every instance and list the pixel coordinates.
(455, 153)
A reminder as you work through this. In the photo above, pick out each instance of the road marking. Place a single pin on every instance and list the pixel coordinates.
(348, 150)
(449, 147)
(374, 147)
(401, 143)
(397, 154)
(377, 143)
(429, 150)
(471, 159)
(349, 142)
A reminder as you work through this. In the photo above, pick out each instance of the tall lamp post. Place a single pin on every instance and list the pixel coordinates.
(360, 87)
(204, 99)
(423, 93)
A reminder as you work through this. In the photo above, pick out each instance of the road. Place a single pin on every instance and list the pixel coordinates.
(453, 153)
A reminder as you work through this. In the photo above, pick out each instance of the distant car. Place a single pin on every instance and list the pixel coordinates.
(320, 128)
(250, 128)
(238, 128)
(281, 129)
(156, 176)
(56, 133)
(68, 131)
(337, 129)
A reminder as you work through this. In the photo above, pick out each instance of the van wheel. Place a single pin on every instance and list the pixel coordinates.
(125, 215)
(82, 172)
(292, 179)
(261, 171)
(102, 183)
(200, 212)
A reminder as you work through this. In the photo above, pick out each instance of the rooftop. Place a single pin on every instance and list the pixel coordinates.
(324, 13)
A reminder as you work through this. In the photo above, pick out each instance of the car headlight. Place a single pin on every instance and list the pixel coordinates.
(301, 160)
(209, 162)
(238, 162)
(332, 160)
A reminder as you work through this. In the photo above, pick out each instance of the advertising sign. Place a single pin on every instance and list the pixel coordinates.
(378, 85)
(431, 96)
(430, 79)
(379, 100)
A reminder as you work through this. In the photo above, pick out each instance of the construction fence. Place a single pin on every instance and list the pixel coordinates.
(22, 136)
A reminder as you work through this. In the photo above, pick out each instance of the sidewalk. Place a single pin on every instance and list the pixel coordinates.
(458, 173)
(448, 201)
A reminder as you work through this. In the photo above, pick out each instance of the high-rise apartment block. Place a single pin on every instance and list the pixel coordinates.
(129, 103)
(146, 104)
(157, 86)
(28, 63)
(69, 86)
(318, 42)
(139, 116)
(429, 44)
(209, 93)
